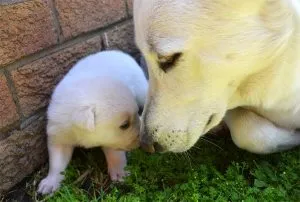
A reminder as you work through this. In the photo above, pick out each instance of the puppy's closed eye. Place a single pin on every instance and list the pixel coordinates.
(125, 125)
(167, 62)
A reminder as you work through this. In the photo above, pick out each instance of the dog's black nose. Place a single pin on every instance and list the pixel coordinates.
(146, 142)
(147, 147)
(158, 147)
(151, 148)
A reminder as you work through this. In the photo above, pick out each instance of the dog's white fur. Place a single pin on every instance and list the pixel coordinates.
(99, 94)
(240, 60)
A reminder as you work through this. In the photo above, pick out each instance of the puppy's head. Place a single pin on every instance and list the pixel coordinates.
(114, 120)
(121, 131)
(201, 55)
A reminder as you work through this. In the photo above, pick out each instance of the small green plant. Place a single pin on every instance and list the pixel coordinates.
(209, 172)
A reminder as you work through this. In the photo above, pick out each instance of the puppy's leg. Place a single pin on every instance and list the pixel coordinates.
(256, 134)
(59, 157)
(116, 162)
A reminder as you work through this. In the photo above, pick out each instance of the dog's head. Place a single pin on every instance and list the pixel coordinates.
(201, 56)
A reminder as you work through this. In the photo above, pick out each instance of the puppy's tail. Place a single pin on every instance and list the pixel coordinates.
(84, 117)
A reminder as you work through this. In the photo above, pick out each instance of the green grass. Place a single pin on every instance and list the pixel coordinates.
(206, 173)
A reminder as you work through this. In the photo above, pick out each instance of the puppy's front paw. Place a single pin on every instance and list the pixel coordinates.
(116, 162)
(49, 184)
(117, 174)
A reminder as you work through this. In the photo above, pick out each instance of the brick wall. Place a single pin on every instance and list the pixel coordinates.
(40, 40)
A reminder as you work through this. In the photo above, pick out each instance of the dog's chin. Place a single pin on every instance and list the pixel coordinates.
(179, 149)
(182, 147)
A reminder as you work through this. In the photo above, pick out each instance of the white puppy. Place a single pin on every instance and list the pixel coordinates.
(96, 104)
(210, 59)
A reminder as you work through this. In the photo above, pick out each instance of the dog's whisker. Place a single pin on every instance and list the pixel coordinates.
(176, 156)
(196, 147)
(188, 158)
(208, 141)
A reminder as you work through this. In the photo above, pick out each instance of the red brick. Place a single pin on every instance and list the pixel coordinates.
(130, 7)
(34, 82)
(121, 37)
(77, 16)
(26, 28)
(8, 112)
(22, 153)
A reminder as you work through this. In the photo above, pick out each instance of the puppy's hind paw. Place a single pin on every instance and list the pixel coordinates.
(49, 185)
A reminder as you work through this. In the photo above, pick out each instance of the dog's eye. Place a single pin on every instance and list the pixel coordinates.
(125, 125)
(167, 62)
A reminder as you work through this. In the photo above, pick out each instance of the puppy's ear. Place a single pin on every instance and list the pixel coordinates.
(85, 118)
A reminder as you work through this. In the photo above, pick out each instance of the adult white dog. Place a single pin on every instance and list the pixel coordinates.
(210, 59)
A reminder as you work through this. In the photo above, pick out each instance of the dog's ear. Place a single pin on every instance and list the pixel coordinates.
(255, 6)
(85, 118)
(239, 6)
(276, 15)
(246, 6)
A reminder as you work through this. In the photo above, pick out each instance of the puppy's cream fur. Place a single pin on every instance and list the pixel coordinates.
(240, 60)
(88, 108)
